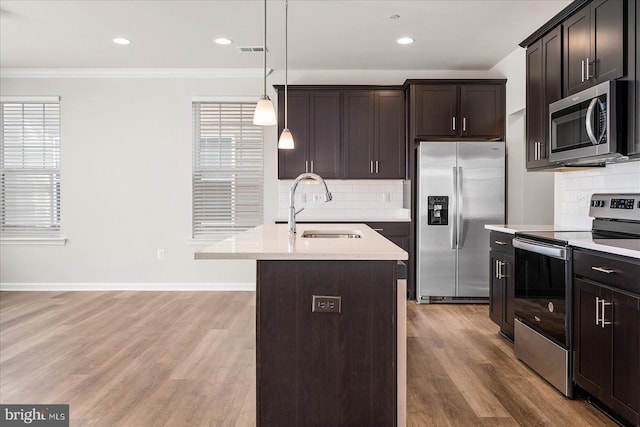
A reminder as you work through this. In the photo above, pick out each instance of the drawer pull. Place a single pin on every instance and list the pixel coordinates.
(498, 242)
(603, 270)
(378, 229)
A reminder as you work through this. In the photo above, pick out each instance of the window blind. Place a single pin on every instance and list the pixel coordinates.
(30, 168)
(227, 169)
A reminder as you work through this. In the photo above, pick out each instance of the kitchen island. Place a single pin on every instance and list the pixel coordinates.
(330, 323)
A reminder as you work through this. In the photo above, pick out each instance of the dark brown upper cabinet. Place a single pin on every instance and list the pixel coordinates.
(544, 86)
(457, 109)
(373, 134)
(594, 45)
(350, 132)
(633, 143)
(314, 121)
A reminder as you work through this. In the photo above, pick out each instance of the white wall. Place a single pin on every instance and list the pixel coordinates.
(126, 180)
(573, 190)
(529, 194)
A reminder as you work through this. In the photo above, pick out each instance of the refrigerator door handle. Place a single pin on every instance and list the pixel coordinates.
(459, 210)
(454, 202)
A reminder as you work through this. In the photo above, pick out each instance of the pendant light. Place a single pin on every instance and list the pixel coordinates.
(265, 114)
(286, 139)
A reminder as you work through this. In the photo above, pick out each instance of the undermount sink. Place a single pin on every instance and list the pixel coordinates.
(331, 234)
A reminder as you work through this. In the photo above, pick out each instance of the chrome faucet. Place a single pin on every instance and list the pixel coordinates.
(292, 193)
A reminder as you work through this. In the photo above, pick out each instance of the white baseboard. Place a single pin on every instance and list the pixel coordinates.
(127, 286)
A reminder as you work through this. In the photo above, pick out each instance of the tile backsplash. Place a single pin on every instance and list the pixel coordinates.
(352, 200)
(573, 190)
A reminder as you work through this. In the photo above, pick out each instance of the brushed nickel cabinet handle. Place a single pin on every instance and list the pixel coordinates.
(371, 166)
(603, 322)
(603, 270)
(311, 166)
(464, 124)
(588, 73)
(306, 166)
(498, 242)
(454, 122)
(597, 311)
(582, 69)
(377, 166)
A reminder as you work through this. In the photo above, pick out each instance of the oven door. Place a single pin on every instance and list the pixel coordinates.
(542, 284)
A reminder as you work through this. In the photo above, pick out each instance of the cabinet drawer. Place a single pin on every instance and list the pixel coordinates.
(611, 270)
(501, 242)
(390, 228)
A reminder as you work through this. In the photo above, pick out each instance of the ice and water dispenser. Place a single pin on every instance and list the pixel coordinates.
(438, 210)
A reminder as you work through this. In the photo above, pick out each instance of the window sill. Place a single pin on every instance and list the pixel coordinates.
(33, 241)
(201, 242)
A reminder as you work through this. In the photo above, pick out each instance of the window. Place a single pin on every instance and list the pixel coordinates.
(30, 167)
(227, 169)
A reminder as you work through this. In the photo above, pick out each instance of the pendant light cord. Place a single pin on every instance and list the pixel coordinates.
(286, 63)
(264, 48)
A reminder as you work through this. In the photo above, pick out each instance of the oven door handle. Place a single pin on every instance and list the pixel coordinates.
(541, 248)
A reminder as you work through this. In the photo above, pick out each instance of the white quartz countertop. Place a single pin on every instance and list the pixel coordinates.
(577, 239)
(345, 218)
(517, 228)
(273, 242)
(624, 247)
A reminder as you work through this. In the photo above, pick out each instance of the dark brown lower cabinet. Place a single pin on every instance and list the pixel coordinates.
(501, 282)
(607, 333)
(326, 368)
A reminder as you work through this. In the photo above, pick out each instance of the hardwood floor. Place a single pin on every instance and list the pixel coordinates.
(188, 359)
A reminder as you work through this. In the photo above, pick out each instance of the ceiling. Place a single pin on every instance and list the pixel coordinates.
(323, 34)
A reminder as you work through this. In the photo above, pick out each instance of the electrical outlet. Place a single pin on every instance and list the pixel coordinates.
(583, 199)
(386, 197)
(160, 254)
(317, 197)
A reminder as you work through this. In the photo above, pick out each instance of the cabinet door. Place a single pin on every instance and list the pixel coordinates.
(358, 133)
(624, 313)
(436, 110)
(496, 289)
(592, 343)
(324, 133)
(634, 148)
(482, 111)
(607, 41)
(552, 77)
(292, 163)
(577, 40)
(389, 139)
(544, 86)
(535, 103)
(509, 295)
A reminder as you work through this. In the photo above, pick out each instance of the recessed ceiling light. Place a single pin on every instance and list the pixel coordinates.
(223, 40)
(121, 40)
(405, 40)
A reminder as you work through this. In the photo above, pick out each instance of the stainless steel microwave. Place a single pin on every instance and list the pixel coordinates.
(584, 127)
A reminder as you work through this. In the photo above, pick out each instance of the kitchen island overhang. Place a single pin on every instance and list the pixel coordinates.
(330, 323)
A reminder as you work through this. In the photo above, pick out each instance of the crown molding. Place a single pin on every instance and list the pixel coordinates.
(174, 73)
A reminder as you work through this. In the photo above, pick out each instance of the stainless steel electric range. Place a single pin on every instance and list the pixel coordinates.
(543, 285)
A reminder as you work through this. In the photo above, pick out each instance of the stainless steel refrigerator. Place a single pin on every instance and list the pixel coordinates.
(460, 188)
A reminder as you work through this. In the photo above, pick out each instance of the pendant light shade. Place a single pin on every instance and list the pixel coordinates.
(265, 113)
(286, 139)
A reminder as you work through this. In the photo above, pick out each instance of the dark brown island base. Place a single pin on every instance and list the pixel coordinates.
(330, 324)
